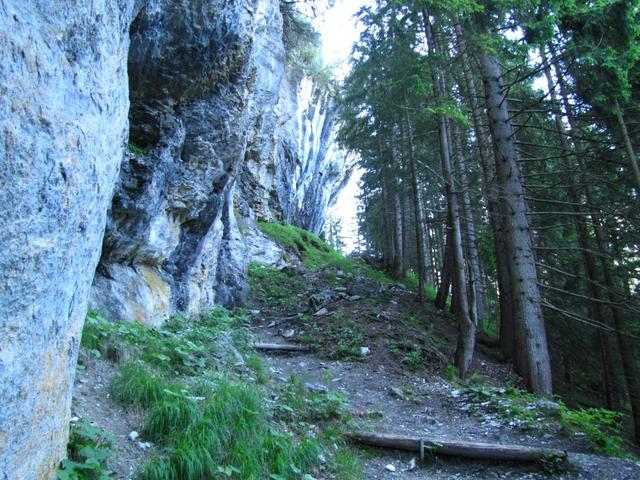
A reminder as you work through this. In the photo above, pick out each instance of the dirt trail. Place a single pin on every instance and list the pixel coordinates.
(430, 406)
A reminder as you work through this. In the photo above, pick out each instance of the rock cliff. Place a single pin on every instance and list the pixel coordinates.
(63, 123)
(222, 131)
(229, 133)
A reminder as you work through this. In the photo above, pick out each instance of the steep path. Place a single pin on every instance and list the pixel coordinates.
(383, 390)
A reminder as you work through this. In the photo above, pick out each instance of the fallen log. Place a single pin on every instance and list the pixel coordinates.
(457, 448)
(280, 347)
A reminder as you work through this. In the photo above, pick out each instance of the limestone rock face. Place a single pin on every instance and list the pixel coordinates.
(63, 123)
(229, 134)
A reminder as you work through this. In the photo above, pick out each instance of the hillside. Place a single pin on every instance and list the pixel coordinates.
(375, 360)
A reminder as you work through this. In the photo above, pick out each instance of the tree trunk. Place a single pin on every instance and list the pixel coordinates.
(417, 209)
(584, 241)
(531, 337)
(445, 276)
(398, 268)
(457, 448)
(507, 331)
(626, 350)
(388, 250)
(469, 230)
(633, 159)
(464, 314)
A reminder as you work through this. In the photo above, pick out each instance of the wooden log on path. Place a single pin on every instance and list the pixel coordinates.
(280, 347)
(457, 448)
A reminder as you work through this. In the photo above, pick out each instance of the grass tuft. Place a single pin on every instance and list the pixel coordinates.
(134, 384)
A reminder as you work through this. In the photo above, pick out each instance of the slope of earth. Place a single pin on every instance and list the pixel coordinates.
(390, 358)
(191, 399)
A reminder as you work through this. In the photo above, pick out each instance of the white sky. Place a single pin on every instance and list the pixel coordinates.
(339, 31)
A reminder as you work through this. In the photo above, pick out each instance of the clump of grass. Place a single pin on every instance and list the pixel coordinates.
(256, 364)
(134, 384)
(171, 415)
(138, 150)
(317, 254)
(348, 465)
(227, 433)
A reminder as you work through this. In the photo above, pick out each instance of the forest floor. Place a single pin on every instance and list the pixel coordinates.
(376, 361)
(401, 386)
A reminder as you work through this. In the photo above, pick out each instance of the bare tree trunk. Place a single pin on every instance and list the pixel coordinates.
(633, 159)
(531, 337)
(417, 209)
(399, 241)
(584, 241)
(464, 312)
(406, 229)
(445, 276)
(469, 230)
(507, 331)
(626, 350)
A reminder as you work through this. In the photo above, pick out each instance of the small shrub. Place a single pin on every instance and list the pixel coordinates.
(88, 451)
(414, 359)
(452, 373)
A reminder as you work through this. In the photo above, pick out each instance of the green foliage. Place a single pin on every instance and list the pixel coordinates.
(133, 148)
(187, 346)
(225, 434)
(317, 254)
(276, 290)
(601, 426)
(411, 282)
(135, 384)
(88, 451)
(415, 359)
(304, 49)
(452, 373)
(205, 424)
(299, 404)
(258, 366)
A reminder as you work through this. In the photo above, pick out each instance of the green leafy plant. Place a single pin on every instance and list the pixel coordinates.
(133, 148)
(88, 451)
(601, 426)
(415, 359)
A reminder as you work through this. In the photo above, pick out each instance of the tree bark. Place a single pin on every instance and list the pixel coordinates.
(280, 347)
(507, 331)
(469, 230)
(398, 268)
(626, 350)
(633, 159)
(417, 208)
(464, 311)
(531, 337)
(445, 275)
